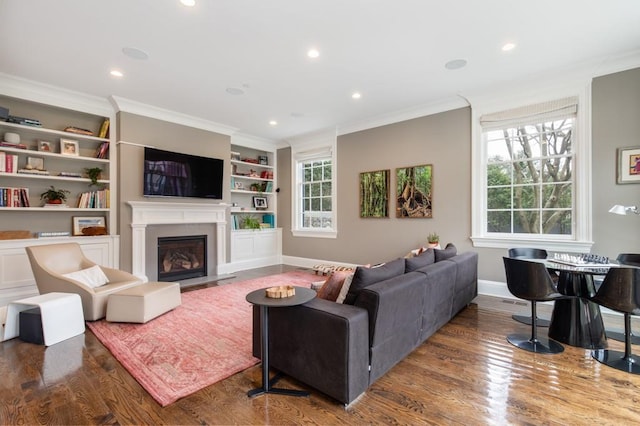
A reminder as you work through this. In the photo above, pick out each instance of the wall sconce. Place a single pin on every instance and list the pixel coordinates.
(618, 209)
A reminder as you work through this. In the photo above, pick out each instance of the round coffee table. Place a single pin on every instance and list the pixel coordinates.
(259, 298)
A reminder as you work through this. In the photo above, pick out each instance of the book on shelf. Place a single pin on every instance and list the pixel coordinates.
(94, 199)
(70, 174)
(104, 128)
(8, 162)
(13, 145)
(33, 172)
(55, 206)
(102, 150)
(14, 197)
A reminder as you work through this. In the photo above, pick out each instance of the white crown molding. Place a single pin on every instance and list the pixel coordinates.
(35, 91)
(134, 107)
(402, 115)
(254, 142)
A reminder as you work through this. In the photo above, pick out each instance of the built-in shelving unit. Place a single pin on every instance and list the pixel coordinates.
(253, 167)
(40, 161)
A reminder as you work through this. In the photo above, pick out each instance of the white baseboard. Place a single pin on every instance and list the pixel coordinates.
(304, 262)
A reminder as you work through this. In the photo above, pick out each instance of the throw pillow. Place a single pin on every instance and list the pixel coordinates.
(423, 259)
(331, 288)
(92, 277)
(448, 252)
(345, 288)
(364, 277)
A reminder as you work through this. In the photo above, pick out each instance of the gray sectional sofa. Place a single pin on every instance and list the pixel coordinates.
(342, 349)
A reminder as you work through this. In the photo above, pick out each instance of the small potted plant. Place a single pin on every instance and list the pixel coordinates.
(250, 222)
(54, 195)
(433, 239)
(94, 173)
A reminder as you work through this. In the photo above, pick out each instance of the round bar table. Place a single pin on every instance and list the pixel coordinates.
(576, 320)
(259, 297)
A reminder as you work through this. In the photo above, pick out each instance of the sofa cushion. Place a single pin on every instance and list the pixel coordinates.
(425, 258)
(332, 286)
(92, 277)
(346, 285)
(364, 277)
(448, 252)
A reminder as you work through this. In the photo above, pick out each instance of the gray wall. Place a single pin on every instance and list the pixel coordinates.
(442, 140)
(162, 135)
(616, 124)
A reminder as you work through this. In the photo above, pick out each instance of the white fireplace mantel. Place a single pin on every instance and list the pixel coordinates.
(146, 213)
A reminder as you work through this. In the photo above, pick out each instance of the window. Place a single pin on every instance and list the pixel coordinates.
(529, 182)
(316, 191)
(314, 198)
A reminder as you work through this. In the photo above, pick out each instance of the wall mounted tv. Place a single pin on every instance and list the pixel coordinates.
(172, 174)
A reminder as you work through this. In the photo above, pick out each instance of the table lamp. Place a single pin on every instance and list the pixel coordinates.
(618, 209)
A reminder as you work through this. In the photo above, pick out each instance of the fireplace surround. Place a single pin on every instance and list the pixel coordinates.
(145, 213)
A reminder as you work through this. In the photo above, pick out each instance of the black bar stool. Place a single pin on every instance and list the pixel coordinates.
(620, 291)
(531, 281)
(528, 253)
(632, 259)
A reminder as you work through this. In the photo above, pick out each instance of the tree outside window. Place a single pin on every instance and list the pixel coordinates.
(530, 184)
(316, 194)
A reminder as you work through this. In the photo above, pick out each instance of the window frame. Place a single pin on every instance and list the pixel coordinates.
(581, 238)
(298, 158)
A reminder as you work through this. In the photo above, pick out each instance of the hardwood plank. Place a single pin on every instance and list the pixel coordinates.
(466, 373)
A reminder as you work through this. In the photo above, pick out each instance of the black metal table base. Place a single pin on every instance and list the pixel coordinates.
(270, 389)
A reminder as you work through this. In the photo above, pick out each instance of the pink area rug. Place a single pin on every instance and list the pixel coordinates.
(205, 340)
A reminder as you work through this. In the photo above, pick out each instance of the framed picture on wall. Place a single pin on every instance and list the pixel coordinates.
(374, 194)
(414, 192)
(629, 164)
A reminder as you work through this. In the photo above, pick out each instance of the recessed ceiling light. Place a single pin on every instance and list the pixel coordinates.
(116, 73)
(189, 3)
(356, 95)
(134, 53)
(509, 46)
(455, 64)
(234, 91)
(313, 53)
(273, 123)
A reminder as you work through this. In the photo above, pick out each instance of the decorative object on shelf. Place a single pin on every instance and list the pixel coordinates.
(239, 185)
(69, 147)
(79, 223)
(35, 163)
(629, 165)
(24, 121)
(235, 156)
(253, 173)
(256, 187)
(263, 160)
(266, 174)
(250, 222)
(94, 173)
(413, 186)
(104, 128)
(54, 195)
(433, 239)
(52, 234)
(45, 146)
(11, 138)
(374, 194)
(15, 235)
(280, 292)
(78, 130)
(250, 160)
(260, 203)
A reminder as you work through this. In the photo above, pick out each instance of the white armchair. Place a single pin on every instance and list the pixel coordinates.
(50, 262)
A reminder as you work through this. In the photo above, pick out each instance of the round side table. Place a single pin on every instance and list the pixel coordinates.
(259, 298)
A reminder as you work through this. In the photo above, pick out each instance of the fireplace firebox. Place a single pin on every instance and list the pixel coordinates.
(182, 257)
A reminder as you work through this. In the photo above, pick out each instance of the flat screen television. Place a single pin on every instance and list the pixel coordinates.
(173, 174)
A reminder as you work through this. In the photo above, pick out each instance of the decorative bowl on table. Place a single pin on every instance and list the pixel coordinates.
(280, 292)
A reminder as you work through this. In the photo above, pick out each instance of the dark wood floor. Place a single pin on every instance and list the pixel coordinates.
(464, 374)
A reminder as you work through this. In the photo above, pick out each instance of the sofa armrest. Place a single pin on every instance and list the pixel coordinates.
(321, 343)
(395, 319)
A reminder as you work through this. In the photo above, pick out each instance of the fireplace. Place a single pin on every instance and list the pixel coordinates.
(182, 257)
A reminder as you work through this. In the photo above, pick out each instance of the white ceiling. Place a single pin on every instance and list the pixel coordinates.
(392, 51)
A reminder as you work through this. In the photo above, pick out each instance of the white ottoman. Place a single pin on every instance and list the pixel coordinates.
(143, 302)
